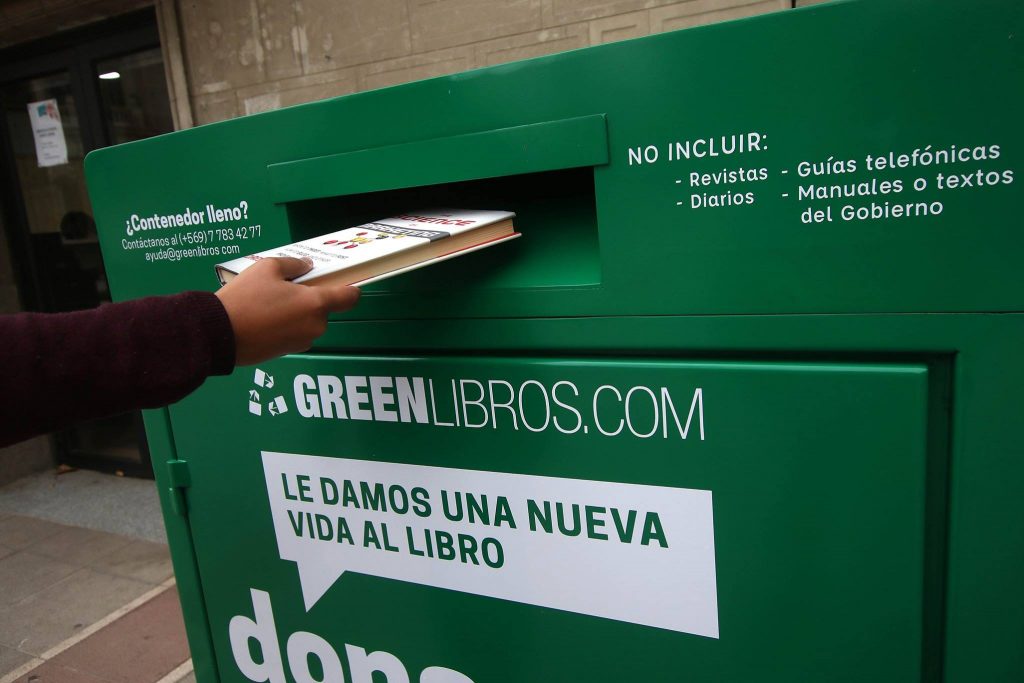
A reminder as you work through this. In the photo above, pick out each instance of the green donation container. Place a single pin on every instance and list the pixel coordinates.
(744, 403)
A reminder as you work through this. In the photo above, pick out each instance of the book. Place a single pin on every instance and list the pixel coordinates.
(373, 251)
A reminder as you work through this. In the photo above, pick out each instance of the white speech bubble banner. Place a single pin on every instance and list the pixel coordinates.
(633, 553)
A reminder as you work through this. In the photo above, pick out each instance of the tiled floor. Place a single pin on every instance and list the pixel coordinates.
(58, 582)
(140, 647)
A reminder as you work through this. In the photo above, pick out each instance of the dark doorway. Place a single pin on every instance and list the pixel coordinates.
(61, 98)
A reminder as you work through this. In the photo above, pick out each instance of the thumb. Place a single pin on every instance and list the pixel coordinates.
(289, 268)
(338, 298)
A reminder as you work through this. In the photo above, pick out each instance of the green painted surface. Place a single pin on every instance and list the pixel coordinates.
(820, 538)
(532, 148)
(841, 81)
(161, 446)
(860, 378)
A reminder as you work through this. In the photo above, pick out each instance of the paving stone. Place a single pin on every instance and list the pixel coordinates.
(23, 574)
(184, 673)
(154, 633)
(140, 560)
(76, 545)
(19, 532)
(11, 659)
(87, 595)
(49, 672)
(35, 625)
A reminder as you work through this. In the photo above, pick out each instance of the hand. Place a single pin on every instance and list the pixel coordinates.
(272, 316)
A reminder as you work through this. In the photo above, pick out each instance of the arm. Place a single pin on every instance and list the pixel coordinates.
(63, 367)
(56, 369)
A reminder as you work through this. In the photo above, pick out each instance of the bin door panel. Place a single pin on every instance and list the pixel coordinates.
(558, 519)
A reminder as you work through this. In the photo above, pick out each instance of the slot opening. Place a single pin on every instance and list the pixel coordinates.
(555, 212)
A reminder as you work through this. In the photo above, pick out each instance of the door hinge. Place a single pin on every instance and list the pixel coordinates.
(179, 478)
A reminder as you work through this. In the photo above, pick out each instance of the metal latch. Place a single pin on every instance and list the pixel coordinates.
(179, 478)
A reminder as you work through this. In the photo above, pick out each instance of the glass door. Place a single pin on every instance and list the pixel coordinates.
(133, 94)
(101, 87)
(42, 120)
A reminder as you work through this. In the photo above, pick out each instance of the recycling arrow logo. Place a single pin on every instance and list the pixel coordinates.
(262, 379)
(275, 406)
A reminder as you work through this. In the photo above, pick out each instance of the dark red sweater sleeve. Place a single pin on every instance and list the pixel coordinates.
(57, 368)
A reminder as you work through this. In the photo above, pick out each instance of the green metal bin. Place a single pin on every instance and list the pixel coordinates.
(743, 403)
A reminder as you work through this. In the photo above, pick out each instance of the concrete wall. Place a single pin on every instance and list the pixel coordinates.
(247, 56)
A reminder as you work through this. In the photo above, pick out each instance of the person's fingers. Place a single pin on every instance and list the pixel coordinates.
(287, 267)
(338, 298)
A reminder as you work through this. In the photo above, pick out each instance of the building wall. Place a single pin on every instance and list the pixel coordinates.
(247, 56)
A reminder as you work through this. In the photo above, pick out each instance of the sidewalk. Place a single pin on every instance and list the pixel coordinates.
(82, 605)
